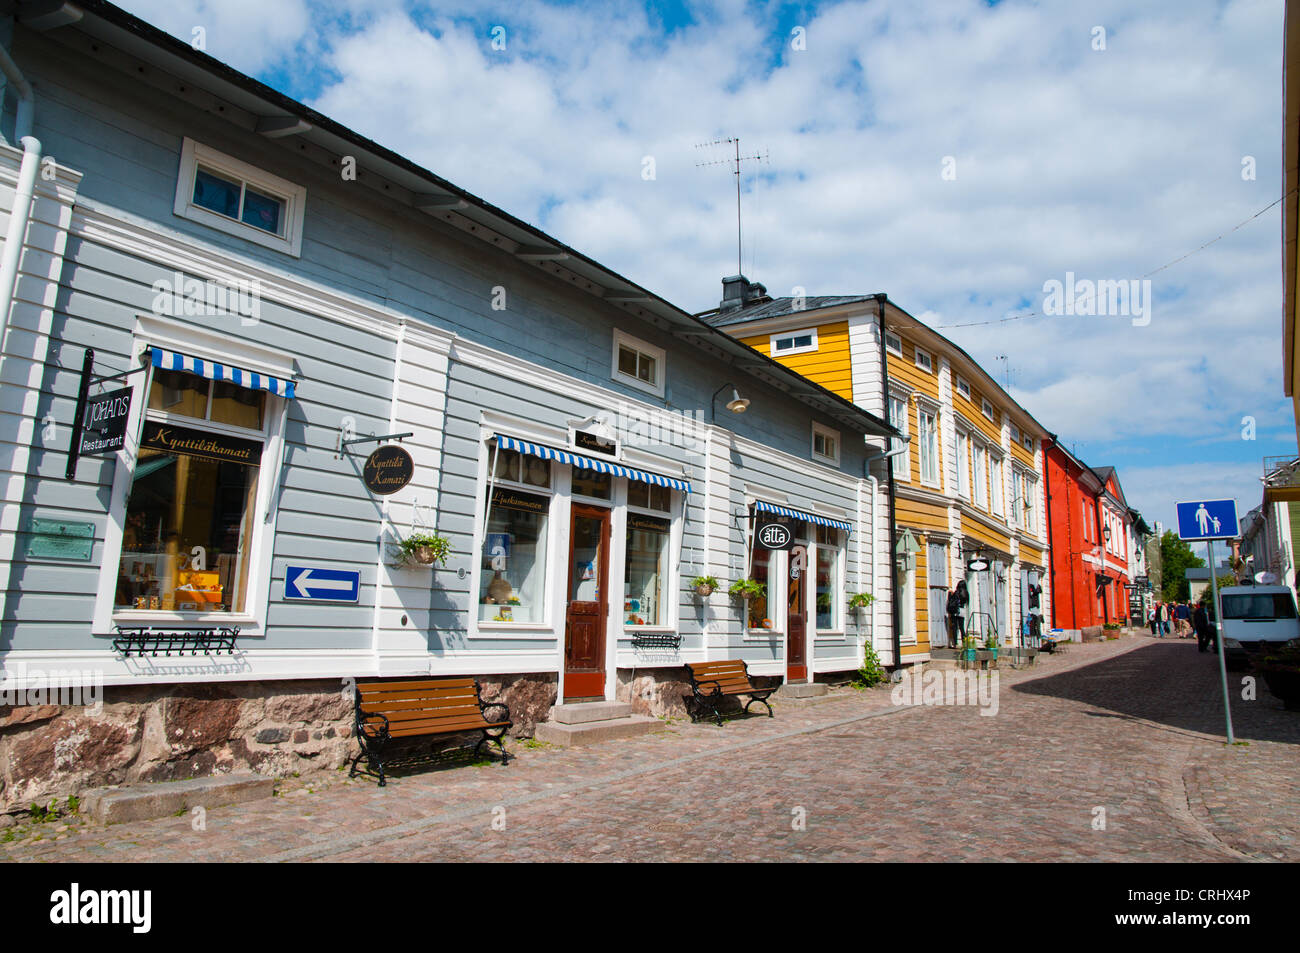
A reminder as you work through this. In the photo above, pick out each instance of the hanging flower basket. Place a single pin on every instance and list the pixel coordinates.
(704, 586)
(424, 549)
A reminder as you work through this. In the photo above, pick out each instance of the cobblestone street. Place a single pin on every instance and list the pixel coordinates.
(1133, 728)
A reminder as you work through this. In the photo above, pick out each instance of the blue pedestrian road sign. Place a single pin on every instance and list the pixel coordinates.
(321, 585)
(1207, 519)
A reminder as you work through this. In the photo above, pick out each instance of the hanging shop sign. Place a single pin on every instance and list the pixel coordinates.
(104, 428)
(586, 440)
(773, 531)
(387, 470)
(977, 565)
(200, 443)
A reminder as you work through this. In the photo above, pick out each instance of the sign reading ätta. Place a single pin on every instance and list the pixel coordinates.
(200, 443)
(387, 470)
(104, 427)
(774, 532)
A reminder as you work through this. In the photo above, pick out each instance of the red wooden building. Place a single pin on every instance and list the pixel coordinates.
(1091, 535)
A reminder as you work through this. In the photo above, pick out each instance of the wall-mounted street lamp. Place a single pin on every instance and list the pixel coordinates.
(737, 404)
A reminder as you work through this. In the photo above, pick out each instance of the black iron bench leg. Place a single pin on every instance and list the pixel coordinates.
(762, 701)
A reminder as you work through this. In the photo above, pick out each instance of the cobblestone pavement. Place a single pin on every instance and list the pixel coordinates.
(1128, 733)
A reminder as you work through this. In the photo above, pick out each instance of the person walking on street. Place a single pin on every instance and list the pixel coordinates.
(1152, 621)
(1205, 636)
(1164, 619)
(957, 600)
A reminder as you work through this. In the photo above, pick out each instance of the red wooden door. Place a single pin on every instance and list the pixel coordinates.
(584, 626)
(796, 626)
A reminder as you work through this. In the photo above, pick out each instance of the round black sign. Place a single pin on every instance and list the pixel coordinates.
(774, 536)
(387, 470)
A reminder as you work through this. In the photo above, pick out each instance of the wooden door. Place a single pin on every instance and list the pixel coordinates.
(588, 603)
(796, 626)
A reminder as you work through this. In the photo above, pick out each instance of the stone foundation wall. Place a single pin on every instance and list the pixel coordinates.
(143, 733)
(659, 692)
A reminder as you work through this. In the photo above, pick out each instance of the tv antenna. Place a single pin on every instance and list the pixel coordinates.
(734, 161)
(1006, 370)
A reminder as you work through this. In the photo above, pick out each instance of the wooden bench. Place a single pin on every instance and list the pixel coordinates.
(396, 716)
(711, 682)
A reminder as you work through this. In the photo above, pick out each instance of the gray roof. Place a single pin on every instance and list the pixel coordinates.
(778, 307)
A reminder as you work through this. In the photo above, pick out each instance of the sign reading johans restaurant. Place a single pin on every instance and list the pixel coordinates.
(104, 427)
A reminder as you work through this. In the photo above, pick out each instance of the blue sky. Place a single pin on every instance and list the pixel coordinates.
(1086, 137)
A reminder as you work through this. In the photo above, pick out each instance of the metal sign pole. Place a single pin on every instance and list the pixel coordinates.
(83, 391)
(1218, 624)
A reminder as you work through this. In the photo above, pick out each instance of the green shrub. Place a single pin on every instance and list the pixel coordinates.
(872, 672)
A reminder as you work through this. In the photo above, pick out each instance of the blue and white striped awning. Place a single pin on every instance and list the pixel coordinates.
(175, 361)
(765, 507)
(600, 466)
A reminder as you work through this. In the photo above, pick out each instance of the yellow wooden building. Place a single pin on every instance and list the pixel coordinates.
(966, 488)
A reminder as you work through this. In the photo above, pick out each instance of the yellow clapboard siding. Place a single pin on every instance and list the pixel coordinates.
(922, 516)
(1024, 456)
(977, 530)
(829, 366)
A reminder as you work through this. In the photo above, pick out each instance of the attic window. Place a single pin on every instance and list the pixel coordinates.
(893, 343)
(638, 364)
(224, 193)
(793, 342)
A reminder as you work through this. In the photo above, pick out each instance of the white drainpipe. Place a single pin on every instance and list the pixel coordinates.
(875, 486)
(19, 217)
(17, 234)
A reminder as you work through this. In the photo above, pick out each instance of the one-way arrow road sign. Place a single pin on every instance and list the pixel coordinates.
(321, 585)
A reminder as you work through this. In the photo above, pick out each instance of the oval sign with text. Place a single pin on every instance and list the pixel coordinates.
(387, 470)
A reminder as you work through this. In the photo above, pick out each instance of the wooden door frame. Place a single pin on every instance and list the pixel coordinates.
(605, 515)
(803, 599)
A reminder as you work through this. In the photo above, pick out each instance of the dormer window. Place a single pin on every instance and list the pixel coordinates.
(793, 342)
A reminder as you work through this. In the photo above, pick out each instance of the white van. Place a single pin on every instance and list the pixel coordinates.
(1257, 619)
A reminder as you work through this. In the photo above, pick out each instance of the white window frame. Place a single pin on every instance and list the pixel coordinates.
(826, 432)
(987, 409)
(980, 473)
(623, 339)
(194, 154)
(963, 464)
(933, 413)
(223, 349)
(902, 463)
(997, 487)
(798, 349)
(963, 387)
(673, 572)
(917, 354)
(889, 347)
(1015, 434)
(839, 595)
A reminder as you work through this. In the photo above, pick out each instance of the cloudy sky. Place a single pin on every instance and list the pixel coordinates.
(957, 155)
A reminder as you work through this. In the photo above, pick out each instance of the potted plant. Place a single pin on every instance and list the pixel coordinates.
(968, 648)
(704, 586)
(748, 589)
(991, 646)
(1281, 672)
(424, 549)
(861, 600)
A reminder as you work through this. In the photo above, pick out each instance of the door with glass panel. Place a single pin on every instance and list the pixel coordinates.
(796, 643)
(937, 570)
(588, 603)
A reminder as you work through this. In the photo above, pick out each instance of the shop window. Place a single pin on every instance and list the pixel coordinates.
(760, 570)
(591, 483)
(828, 574)
(512, 577)
(240, 199)
(645, 592)
(517, 467)
(648, 496)
(188, 530)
